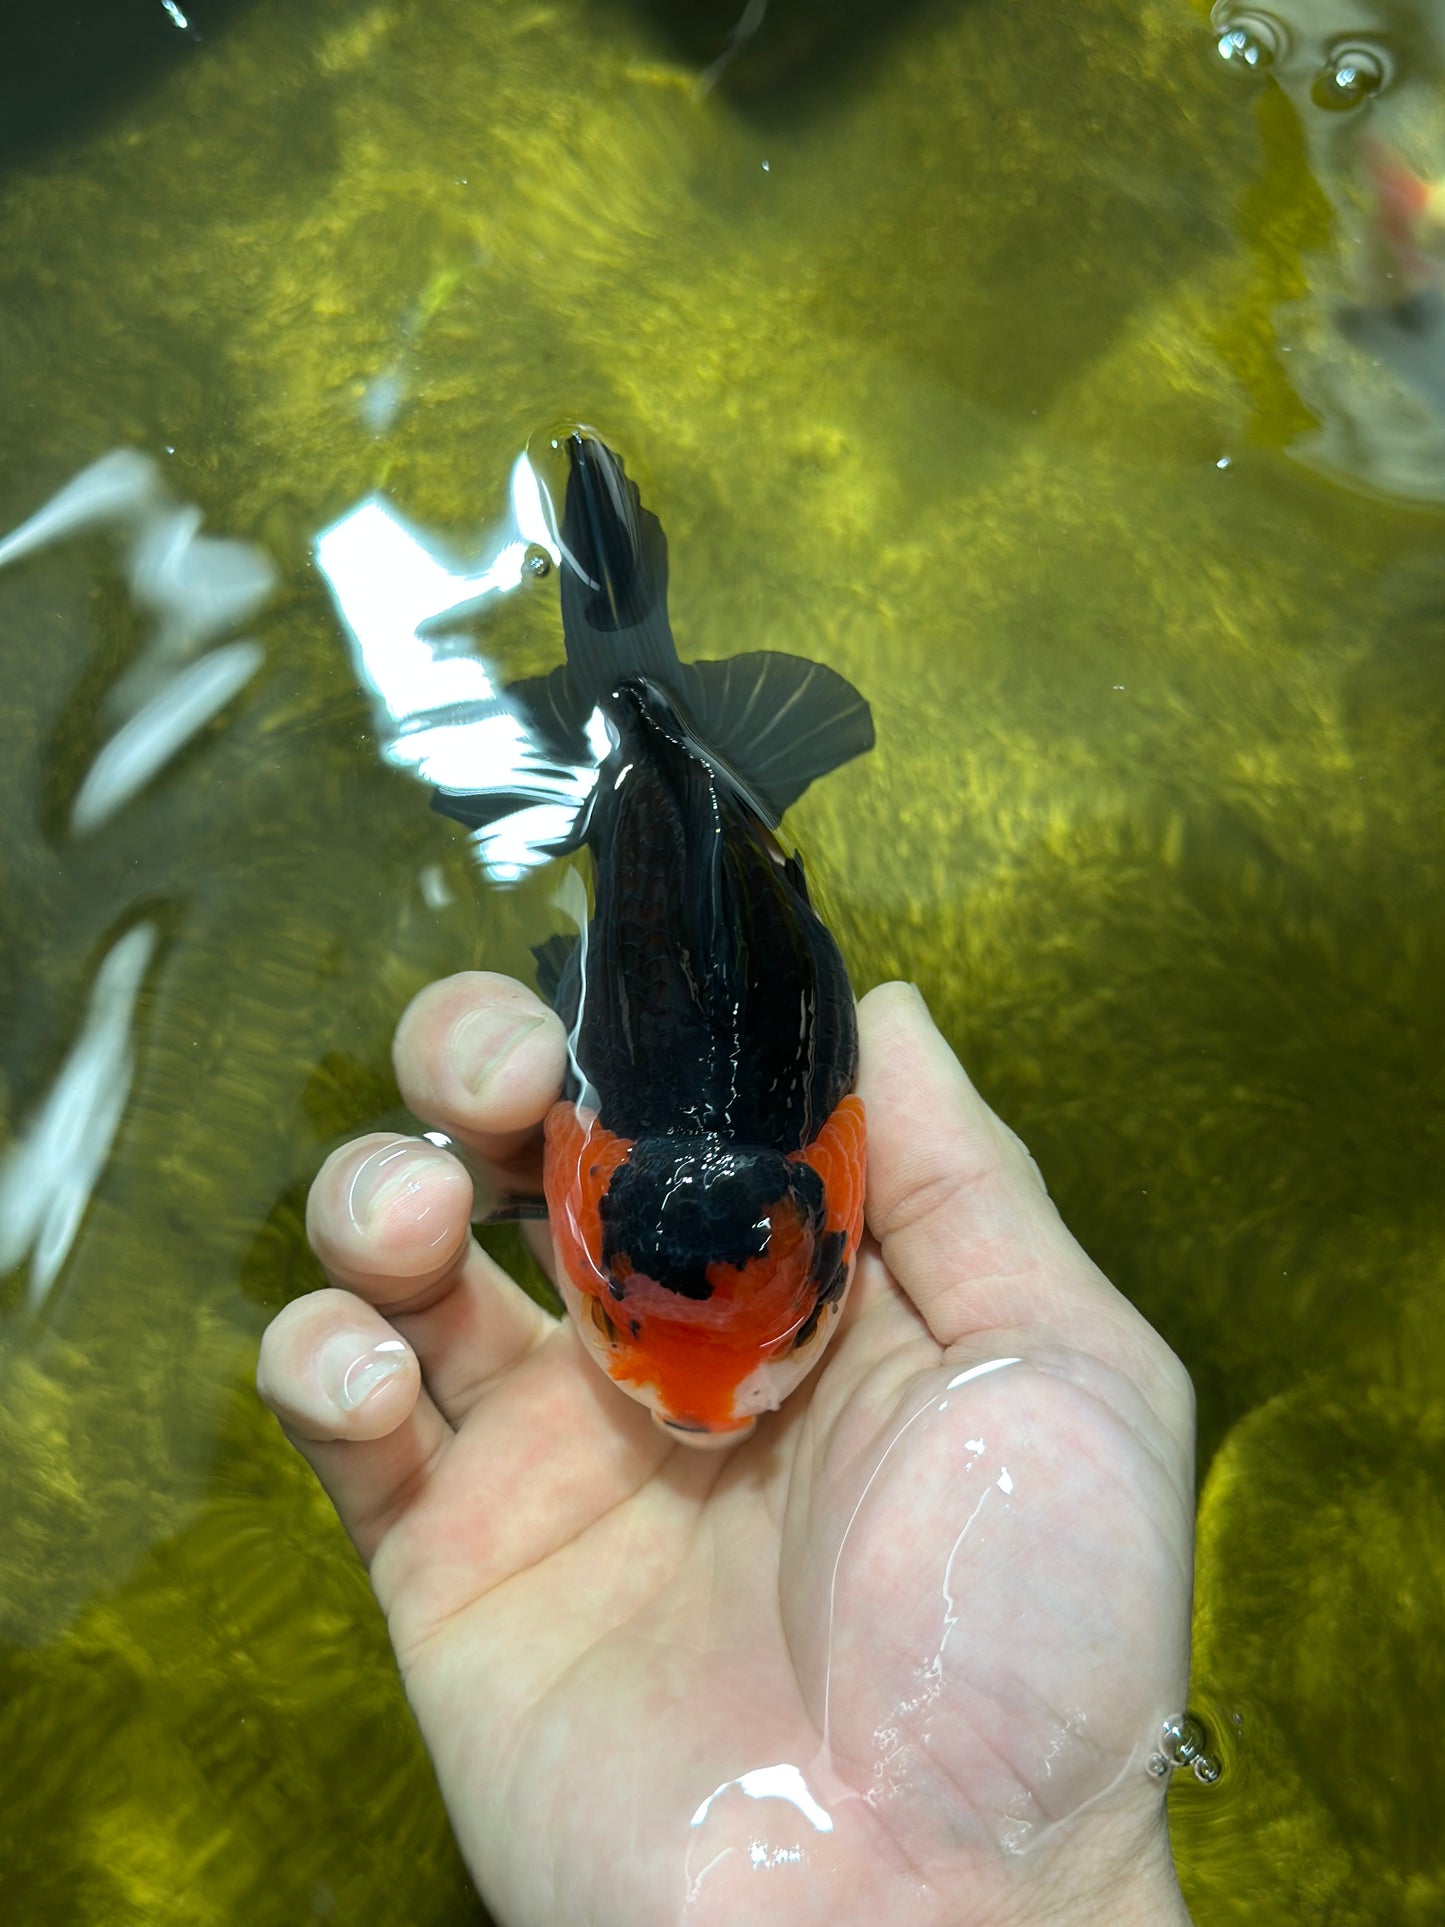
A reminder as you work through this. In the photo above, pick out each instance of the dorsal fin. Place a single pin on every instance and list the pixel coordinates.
(779, 721)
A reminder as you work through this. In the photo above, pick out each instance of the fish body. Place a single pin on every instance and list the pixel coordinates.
(1404, 328)
(704, 1166)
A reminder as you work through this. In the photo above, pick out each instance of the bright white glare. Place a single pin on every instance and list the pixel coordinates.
(513, 843)
(1237, 45)
(762, 1855)
(48, 1177)
(532, 511)
(385, 582)
(439, 713)
(978, 1371)
(174, 11)
(782, 1782)
(450, 754)
(600, 738)
(148, 741)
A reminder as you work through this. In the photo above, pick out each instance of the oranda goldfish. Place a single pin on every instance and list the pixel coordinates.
(1403, 327)
(704, 1166)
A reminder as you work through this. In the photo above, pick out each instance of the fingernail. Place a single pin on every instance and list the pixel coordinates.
(481, 1040)
(394, 1171)
(351, 1368)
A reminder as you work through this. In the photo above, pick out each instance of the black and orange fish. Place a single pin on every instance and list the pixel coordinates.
(704, 1166)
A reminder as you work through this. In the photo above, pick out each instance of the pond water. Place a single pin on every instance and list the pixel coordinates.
(1065, 376)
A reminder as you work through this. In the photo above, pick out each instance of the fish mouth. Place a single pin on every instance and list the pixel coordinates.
(704, 1438)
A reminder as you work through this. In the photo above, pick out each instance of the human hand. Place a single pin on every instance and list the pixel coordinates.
(899, 1657)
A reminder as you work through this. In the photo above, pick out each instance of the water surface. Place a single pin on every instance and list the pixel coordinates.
(988, 352)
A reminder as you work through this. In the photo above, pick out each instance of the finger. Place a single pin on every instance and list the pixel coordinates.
(348, 1393)
(389, 1218)
(954, 1199)
(482, 1058)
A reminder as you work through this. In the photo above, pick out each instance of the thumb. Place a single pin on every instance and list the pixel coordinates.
(954, 1199)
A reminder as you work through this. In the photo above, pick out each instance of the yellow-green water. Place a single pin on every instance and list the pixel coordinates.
(926, 333)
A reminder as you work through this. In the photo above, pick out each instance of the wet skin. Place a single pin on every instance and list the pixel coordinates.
(978, 1590)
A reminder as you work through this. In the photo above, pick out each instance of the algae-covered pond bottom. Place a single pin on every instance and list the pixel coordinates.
(989, 354)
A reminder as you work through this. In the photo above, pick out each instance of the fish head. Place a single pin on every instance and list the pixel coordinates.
(705, 1277)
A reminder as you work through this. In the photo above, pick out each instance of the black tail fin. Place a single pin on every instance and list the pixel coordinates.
(614, 574)
(778, 721)
(614, 600)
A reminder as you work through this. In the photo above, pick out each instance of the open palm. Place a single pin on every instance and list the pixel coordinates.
(901, 1656)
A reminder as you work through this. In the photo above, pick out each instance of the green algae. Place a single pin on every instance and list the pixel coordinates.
(247, 1637)
(939, 394)
(1323, 1516)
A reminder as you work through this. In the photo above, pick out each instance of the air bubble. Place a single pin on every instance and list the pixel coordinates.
(1354, 73)
(1183, 1743)
(1250, 40)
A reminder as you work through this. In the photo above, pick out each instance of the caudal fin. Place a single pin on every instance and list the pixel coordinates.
(777, 721)
(614, 573)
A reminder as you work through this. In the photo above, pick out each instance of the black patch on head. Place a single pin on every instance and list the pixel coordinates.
(829, 1275)
(829, 1270)
(678, 1205)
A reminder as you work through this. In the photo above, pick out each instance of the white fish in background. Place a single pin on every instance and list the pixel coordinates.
(147, 742)
(195, 586)
(120, 490)
(1366, 343)
(47, 1178)
(1405, 327)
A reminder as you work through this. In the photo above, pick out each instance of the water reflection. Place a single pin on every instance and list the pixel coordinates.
(439, 711)
(47, 1179)
(1333, 56)
(146, 743)
(1366, 82)
(195, 587)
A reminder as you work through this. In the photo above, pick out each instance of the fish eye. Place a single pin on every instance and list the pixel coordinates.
(1250, 40)
(821, 1328)
(601, 1323)
(1357, 69)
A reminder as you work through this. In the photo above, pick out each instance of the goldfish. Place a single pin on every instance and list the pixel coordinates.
(1404, 328)
(704, 1166)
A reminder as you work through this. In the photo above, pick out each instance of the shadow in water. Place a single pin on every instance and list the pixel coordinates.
(780, 59)
(63, 69)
